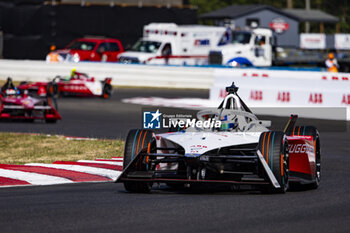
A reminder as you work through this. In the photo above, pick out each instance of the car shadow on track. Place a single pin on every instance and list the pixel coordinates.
(218, 190)
(201, 190)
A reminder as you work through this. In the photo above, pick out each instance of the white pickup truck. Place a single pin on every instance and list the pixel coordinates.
(244, 48)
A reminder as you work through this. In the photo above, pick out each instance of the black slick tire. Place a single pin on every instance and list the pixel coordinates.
(136, 140)
(273, 145)
(107, 91)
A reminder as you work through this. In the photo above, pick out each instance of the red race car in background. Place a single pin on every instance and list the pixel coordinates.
(15, 104)
(78, 84)
(87, 49)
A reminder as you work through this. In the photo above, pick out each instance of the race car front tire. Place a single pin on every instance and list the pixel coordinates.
(136, 140)
(273, 145)
(107, 91)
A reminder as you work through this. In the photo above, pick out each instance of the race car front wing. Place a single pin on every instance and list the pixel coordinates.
(245, 169)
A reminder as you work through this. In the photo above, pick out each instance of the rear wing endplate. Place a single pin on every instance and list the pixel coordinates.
(290, 124)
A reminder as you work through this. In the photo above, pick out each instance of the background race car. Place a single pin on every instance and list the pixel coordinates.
(15, 104)
(241, 150)
(78, 84)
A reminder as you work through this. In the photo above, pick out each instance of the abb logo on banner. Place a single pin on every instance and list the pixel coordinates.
(315, 98)
(346, 99)
(223, 93)
(283, 96)
(255, 75)
(256, 95)
(335, 78)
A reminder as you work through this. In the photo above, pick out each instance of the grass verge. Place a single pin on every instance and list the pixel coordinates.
(25, 148)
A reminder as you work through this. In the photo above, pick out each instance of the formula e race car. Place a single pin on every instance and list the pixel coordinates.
(15, 104)
(242, 151)
(78, 84)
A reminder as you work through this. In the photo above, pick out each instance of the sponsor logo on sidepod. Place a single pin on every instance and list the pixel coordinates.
(299, 148)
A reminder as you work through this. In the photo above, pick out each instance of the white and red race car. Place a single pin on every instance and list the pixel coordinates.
(241, 151)
(17, 105)
(78, 84)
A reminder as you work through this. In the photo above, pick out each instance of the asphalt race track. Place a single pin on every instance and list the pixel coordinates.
(106, 207)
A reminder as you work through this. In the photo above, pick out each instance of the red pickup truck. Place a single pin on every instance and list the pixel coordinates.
(88, 49)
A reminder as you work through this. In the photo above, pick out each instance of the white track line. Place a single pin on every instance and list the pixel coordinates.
(101, 162)
(33, 178)
(112, 174)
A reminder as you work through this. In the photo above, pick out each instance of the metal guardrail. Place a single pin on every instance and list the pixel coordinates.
(154, 75)
(122, 74)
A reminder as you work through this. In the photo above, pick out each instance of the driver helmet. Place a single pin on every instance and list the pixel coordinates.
(72, 73)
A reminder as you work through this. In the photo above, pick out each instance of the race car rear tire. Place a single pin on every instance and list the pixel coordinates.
(52, 90)
(273, 145)
(136, 140)
(311, 131)
(107, 91)
(53, 103)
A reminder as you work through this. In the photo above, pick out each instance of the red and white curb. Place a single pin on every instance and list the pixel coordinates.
(61, 172)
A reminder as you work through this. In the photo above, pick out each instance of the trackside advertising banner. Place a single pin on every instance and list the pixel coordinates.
(312, 41)
(342, 41)
(286, 89)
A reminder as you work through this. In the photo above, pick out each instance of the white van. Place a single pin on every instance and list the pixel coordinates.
(168, 43)
(244, 48)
